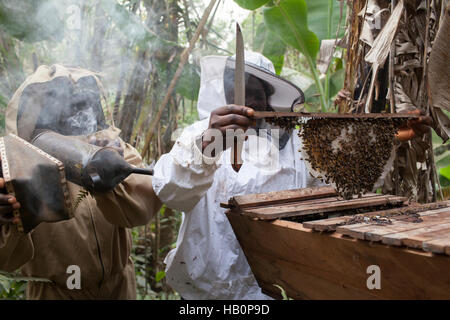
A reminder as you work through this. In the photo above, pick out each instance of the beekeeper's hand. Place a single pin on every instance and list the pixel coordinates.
(415, 127)
(7, 204)
(229, 117)
(103, 142)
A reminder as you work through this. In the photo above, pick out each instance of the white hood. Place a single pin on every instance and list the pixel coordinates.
(212, 93)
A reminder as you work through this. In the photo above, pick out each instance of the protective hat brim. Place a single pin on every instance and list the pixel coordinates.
(286, 94)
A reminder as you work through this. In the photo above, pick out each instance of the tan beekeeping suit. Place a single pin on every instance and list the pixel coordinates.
(96, 239)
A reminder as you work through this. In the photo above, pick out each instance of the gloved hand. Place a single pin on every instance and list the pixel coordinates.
(229, 117)
(414, 128)
(7, 204)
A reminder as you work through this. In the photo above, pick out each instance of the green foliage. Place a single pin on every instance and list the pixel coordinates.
(251, 4)
(442, 160)
(318, 18)
(189, 115)
(150, 279)
(159, 296)
(289, 20)
(299, 24)
(189, 83)
(336, 82)
(445, 172)
(127, 23)
(12, 290)
(24, 20)
(133, 28)
(159, 276)
(3, 104)
(270, 46)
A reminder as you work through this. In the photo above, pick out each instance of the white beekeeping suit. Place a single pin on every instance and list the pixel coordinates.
(208, 262)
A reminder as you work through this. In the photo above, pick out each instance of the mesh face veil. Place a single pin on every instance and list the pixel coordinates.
(58, 98)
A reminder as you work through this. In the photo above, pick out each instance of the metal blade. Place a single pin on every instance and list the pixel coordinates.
(239, 94)
(239, 72)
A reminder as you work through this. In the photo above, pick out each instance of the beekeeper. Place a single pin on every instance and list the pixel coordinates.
(95, 245)
(208, 262)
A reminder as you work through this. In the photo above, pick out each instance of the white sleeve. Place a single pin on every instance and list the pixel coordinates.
(184, 175)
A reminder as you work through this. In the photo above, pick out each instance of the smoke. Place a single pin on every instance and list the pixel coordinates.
(98, 35)
(105, 36)
(84, 122)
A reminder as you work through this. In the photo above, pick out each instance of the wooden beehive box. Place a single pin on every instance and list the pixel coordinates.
(316, 245)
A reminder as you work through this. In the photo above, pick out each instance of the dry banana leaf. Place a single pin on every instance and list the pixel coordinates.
(326, 54)
(373, 18)
(439, 76)
(381, 48)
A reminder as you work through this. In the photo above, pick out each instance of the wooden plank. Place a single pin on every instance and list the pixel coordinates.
(277, 197)
(430, 218)
(272, 114)
(235, 206)
(332, 223)
(441, 245)
(326, 224)
(372, 232)
(407, 237)
(274, 212)
(320, 201)
(320, 197)
(317, 198)
(310, 265)
(416, 240)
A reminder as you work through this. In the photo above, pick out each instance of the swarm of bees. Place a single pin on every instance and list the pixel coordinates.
(349, 154)
(287, 123)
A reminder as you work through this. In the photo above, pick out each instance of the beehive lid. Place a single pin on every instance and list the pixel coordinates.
(306, 201)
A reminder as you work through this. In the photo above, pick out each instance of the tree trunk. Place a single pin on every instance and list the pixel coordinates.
(134, 97)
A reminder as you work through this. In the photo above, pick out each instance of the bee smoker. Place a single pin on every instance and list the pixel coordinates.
(92, 167)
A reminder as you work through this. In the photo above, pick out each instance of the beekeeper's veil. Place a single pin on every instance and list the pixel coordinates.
(212, 93)
(62, 99)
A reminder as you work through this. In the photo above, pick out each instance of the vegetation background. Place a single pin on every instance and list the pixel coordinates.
(148, 51)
